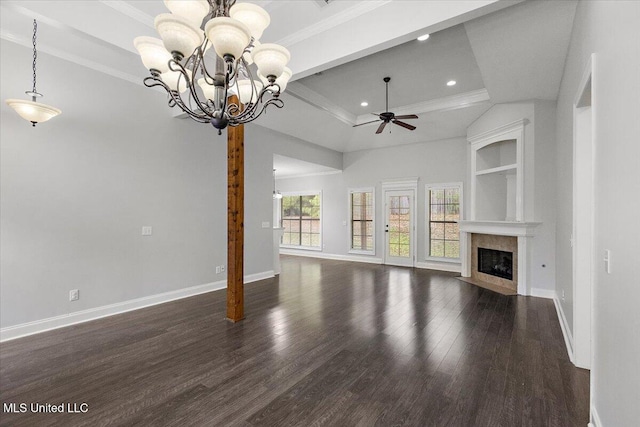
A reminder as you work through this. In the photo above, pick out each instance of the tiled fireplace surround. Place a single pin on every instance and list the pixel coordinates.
(491, 235)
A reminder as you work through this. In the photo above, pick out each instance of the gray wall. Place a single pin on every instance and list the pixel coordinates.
(611, 31)
(433, 162)
(75, 192)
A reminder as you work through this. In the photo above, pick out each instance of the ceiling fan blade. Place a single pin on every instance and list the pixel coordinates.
(404, 125)
(381, 127)
(366, 123)
(408, 116)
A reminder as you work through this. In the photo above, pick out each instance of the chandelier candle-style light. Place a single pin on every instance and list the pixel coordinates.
(199, 83)
(33, 111)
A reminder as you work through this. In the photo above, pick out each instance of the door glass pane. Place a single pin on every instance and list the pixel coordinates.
(399, 222)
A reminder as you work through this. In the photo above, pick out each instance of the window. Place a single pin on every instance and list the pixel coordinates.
(444, 202)
(361, 215)
(301, 220)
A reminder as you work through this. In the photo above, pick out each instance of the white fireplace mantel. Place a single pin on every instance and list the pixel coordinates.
(524, 231)
(500, 228)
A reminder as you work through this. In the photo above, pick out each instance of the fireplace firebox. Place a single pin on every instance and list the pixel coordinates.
(496, 263)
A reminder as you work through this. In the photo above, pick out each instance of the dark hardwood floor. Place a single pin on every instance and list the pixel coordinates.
(328, 343)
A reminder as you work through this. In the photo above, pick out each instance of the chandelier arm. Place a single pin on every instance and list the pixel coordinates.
(273, 101)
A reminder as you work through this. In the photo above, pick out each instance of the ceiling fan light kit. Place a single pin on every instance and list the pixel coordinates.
(178, 61)
(388, 116)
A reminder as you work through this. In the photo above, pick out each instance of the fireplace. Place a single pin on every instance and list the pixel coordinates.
(496, 263)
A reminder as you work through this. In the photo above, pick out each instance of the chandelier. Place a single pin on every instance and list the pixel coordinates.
(201, 84)
(33, 111)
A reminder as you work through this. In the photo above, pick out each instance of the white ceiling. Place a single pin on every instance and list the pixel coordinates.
(288, 167)
(497, 51)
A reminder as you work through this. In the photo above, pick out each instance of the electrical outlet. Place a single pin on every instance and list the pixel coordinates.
(147, 231)
(74, 295)
(266, 224)
(218, 269)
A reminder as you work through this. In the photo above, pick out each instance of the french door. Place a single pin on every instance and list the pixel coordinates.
(399, 228)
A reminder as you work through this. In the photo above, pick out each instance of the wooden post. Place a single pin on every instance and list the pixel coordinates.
(235, 221)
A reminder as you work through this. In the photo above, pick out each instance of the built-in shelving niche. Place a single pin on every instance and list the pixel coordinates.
(497, 175)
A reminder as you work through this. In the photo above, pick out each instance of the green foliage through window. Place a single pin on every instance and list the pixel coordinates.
(444, 214)
(301, 220)
(362, 211)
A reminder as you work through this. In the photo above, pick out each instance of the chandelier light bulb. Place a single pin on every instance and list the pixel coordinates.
(192, 10)
(253, 16)
(281, 81)
(271, 59)
(154, 55)
(176, 80)
(229, 36)
(208, 89)
(178, 34)
(245, 91)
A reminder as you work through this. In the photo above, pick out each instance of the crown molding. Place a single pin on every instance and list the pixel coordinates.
(311, 97)
(130, 11)
(499, 131)
(331, 22)
(5, 35)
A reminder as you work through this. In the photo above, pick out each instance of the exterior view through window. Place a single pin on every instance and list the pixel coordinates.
(362, 227)
(301, 220)
(443, 229)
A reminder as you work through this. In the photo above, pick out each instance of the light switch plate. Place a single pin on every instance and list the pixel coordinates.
(147, 231)
(266, 224)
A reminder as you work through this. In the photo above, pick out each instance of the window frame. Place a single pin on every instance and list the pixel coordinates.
(350, 192)
(440, 186)
(298, 194)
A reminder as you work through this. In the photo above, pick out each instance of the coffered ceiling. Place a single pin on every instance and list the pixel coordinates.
(497, 51)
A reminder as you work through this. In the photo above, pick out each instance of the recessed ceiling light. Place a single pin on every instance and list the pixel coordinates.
(423, 37)
(364, 104)
(451, 83)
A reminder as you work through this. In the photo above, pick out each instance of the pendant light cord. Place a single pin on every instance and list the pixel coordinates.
(35, 54)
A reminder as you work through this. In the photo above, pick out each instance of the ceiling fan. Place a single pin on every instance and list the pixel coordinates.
(388, 116)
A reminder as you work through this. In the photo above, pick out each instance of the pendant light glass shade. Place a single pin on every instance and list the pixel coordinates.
(178, 34)
(228, 36)
(192, 10)
(176, 80)
(281, 81)
(270, 59)
(253, 16)
(154, 55)
(34, 112)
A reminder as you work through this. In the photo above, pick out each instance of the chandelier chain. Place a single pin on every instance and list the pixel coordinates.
(35, 54)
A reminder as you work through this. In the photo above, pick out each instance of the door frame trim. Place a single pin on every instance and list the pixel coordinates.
(401, 184)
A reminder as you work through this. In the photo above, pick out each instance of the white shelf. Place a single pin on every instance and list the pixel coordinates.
(498, 169)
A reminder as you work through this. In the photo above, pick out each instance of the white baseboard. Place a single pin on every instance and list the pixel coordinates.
(323, 255)
(440, 266)
(564, 325)
(595, 419)
(248, 278)
(542, 293)
(43, 325)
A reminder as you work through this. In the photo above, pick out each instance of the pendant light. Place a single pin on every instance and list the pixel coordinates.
(32, 111)
(276, 194)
